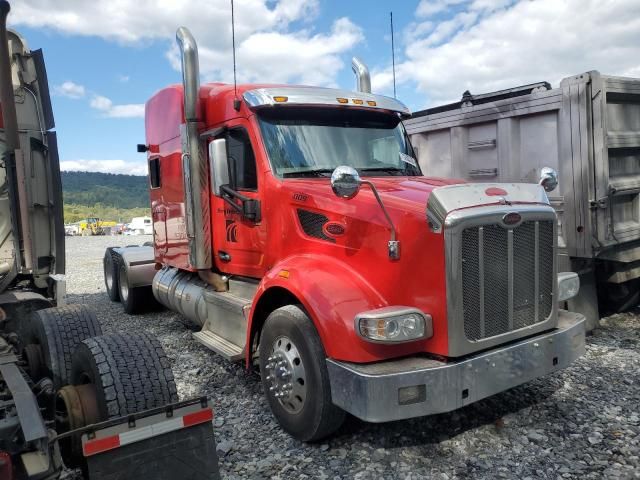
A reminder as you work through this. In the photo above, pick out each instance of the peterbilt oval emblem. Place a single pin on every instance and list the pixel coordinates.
(333, 229)
(495, 192)
(512, 218)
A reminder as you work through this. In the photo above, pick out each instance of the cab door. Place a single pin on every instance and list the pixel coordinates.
(238, 242)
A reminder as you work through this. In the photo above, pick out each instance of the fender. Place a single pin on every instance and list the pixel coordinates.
(332, 300)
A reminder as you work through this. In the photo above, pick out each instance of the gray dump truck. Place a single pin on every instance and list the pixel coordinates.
(69, 395)
(587, 131)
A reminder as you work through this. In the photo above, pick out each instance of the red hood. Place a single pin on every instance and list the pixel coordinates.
(398, 193)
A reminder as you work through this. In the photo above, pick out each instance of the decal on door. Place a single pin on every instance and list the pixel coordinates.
(232, 231)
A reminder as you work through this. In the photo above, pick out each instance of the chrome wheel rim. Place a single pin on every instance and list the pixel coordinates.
(286, 377)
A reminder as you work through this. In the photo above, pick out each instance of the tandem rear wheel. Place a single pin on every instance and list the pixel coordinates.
(111, 376)
(294, 375)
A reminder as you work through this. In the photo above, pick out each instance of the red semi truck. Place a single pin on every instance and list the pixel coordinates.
(294, 225)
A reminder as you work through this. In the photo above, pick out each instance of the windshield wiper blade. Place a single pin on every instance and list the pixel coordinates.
(320, 172)
(393, 170)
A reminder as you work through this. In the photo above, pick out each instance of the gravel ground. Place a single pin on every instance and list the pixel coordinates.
(583, 422)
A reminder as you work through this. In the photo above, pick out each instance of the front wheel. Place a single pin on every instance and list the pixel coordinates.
(295, 377)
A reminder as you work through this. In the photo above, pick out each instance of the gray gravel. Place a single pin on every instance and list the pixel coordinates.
(583, 422)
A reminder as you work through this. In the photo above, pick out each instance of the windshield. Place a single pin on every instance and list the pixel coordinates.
(314, 142)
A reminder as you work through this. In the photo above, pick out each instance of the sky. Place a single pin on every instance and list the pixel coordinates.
(105, 58)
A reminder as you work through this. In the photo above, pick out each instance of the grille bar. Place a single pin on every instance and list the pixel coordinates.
(510, 277)
(481, 279)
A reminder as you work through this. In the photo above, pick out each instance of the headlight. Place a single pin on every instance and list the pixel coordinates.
(393, 325)
(568, 285)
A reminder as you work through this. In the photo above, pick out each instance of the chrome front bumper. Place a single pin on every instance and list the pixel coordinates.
(417, 386)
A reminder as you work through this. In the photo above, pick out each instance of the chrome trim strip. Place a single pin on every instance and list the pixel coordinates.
(371, 391)
(318, 96)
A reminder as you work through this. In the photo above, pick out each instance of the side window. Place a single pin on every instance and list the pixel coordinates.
(154, 172)
(242, 162)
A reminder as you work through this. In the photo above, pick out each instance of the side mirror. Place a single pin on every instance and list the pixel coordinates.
(548, 179)
(218, 165)
(345, 182)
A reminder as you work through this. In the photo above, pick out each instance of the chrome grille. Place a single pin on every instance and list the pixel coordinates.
(507, 277)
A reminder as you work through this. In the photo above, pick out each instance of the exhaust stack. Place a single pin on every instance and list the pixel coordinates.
(362, 75)
(194, 162)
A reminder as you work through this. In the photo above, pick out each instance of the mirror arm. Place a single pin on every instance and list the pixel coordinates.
(249, 207)
(394, 244)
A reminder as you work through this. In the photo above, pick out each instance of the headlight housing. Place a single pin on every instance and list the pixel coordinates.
(393, 325)
(568, 285)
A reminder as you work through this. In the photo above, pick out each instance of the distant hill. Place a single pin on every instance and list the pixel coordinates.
(91, 188)
(104, 195)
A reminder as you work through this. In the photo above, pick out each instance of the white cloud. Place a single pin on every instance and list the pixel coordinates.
(274, 38)
(70, 90)
(105, 166)
(486, 45)
(106, 106)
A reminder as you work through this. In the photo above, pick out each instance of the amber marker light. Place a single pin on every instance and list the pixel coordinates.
(358, 101)
(283, 273)
(342, 100)
(371, 103)
(281, 99)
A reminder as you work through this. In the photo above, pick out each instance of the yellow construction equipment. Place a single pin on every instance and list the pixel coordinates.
(94, 226)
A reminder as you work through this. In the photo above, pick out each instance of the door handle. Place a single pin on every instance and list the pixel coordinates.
(224, 256)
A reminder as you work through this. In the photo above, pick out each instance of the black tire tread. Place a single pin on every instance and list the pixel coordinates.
(114, 293)
(59, 330)
(133, 372)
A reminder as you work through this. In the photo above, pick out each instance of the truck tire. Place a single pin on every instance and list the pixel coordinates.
(294, 375)
(111, 271)
(135, 300)
(130, 373)
(52, 336)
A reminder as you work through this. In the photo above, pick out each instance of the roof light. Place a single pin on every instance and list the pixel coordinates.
(357, 101)
(281, 99)
(371, 103)
(342, 100)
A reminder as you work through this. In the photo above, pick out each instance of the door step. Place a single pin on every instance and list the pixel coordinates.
(223, 347)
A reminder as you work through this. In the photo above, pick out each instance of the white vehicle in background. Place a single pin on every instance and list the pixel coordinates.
(141, 226)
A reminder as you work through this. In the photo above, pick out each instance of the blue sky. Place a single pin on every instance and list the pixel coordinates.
(105, 58)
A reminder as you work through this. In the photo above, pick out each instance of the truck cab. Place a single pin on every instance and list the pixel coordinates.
(294, 225)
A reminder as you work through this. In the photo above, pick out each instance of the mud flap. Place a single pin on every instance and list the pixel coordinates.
(173, 442)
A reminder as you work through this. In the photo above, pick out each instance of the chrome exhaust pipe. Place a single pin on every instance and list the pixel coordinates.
(194, 162)
(190, 74)
(9, 116)
(362, 75)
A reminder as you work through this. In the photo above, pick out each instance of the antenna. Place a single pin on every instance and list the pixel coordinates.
(393, 56)
(236, 100)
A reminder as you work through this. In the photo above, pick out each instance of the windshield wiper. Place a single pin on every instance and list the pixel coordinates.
(391, 170)
(319, 172)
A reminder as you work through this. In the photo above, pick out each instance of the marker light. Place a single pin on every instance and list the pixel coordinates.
(342, 100)
(358, 101)
(393, 325)
(371, 103)
(281, 99)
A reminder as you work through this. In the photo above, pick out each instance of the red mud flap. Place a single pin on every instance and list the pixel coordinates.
(173, 442)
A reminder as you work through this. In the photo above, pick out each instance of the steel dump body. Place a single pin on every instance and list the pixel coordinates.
(588, 129)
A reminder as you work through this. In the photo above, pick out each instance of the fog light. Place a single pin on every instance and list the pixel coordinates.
(413, 394)
(568, 285)
(393, 324)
